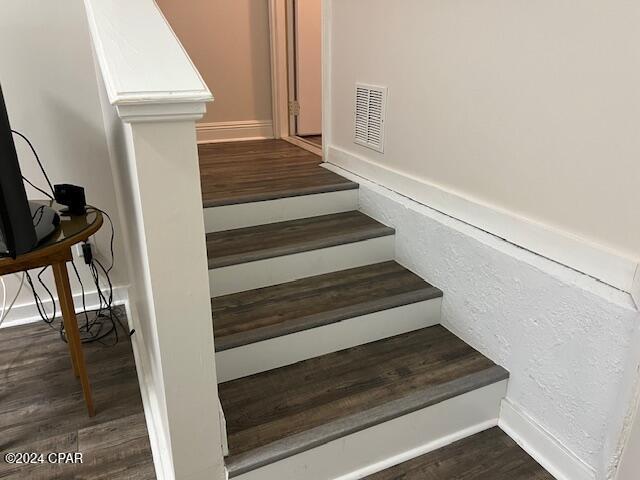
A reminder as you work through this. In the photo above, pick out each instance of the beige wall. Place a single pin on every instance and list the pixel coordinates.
(530, 107)
(228, 40)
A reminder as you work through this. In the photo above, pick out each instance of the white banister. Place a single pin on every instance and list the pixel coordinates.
(139, 55)
(151, 96)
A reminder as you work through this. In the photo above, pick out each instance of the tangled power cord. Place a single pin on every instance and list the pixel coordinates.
(100, 325)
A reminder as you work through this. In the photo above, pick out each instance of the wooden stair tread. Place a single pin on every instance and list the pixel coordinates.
(255, 315)
(232, 247)
(252, 171)
(491, 454)
(275, 414)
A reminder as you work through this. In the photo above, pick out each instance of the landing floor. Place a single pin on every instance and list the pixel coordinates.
(42, 409)
(250, 171)
(489, 455)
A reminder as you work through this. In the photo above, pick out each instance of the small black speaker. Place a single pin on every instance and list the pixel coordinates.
(71, 196)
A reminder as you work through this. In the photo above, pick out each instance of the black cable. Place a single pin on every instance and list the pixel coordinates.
(40, 305)
(48, 195)
(35, 154)
(113, 234)
(84, 303)
(106, 320)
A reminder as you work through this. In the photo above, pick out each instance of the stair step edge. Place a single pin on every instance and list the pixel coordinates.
(342, 427)
(263, 197)
(325, 318)
(315, 244)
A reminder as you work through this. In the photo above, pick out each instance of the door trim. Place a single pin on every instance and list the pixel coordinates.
(279, 67)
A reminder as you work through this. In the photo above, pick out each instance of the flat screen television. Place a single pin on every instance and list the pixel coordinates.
(23, 224)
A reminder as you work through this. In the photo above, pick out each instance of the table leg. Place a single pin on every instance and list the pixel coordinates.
(71, 328)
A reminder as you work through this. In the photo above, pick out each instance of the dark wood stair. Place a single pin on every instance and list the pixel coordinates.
(276, 414)
(256, 315)
(252, 171)
(489, 455)
(232, 247)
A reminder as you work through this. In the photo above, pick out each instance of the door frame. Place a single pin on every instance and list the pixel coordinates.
(281, 75)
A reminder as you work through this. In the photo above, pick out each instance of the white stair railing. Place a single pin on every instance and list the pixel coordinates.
(151, 96)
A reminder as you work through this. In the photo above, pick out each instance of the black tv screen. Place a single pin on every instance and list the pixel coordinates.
(17, 233)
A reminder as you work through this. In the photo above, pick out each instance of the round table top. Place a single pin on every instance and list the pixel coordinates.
(71, 230)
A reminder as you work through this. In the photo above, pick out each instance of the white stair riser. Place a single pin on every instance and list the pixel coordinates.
(390, 443)
(228, 217)
(272, 271)
(277, 352)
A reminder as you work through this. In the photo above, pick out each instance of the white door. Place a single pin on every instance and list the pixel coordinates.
(308, 53)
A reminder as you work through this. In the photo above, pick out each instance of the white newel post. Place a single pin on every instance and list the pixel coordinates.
(152, 96)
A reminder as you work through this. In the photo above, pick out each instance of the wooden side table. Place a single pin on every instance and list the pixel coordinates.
(55, 251)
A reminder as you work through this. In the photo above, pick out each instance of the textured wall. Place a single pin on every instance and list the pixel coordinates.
(564, 337)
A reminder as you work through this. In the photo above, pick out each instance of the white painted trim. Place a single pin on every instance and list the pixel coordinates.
(390, 443)
(288, 349)
(223, 429)
(227, 217)
(272, 271)
(327, 46)
(279, 74)
(158, 437)
(304, 144)
(155, 112)
(26, 313)
(597, 261)
(233, 131)
(141, 58)
(542, 445)
(635, 288)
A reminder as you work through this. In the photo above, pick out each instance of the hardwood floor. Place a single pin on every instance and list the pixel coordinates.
(317, 139)
(43, 411)
(232, 247)
(255, 315)
(252, 171)
(281, 412)
(489, 455)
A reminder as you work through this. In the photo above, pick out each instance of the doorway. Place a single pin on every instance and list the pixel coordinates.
(296, 50)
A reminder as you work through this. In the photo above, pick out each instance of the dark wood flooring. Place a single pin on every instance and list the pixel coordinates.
(43, 410)
(317, 139)
(489, 455)
(278, 413)
(255, 315)
(252, 171)
(232, 247)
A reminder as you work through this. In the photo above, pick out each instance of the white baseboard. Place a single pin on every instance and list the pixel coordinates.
(155, 427)
(26, 313)
(579, 254)
(304, 144)
(233, 131)
(541, 445)
(392, 442)
(288, 349)
(227, 217)
(286, 268)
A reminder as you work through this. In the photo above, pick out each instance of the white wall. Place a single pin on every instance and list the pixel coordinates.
(49, 84)
(528, 108)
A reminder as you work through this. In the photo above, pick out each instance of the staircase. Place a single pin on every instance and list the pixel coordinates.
(330, 354)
